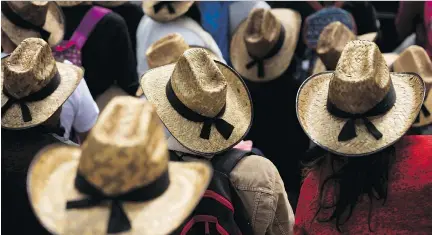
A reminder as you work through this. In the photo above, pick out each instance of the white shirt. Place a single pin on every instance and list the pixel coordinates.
(149, 31)
(80, 111)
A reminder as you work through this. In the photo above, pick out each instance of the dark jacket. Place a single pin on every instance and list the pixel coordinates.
(108, 55)
(17, 151)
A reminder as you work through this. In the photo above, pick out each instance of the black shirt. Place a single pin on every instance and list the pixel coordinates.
(276, 130)
(132, 14)
(17, 152)
(107, 56)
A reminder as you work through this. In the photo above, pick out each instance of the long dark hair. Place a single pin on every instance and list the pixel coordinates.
(352, 177)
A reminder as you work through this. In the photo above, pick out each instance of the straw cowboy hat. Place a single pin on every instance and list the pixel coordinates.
(25, 19)
(119, 181)
(332, 41)
(263, 45)
(203, 103)
(34, 85)
(164, 11)
(168, 50)
(107, 4)
(361, 107)
(415, 59)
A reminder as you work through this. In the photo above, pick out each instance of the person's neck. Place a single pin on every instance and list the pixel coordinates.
(174, 145)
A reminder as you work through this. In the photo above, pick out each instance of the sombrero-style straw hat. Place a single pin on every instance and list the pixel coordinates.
(34, 85)
(415, 59)
(332, 41)
(168, 50)
(263, 45)
(164, 11)
(203, 103)
(25, 19)
(119, 181)
(361, 107)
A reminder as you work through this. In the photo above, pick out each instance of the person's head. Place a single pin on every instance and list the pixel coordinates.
(349, 178)
(203, 103)
(27, 19)
(164, 11)
(125, 157)
(263, 45)
(359, 111)
(35, 86)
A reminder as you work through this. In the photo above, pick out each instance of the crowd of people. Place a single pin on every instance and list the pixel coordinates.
(245, 117)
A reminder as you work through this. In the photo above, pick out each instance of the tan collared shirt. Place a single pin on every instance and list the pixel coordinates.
(263, 194)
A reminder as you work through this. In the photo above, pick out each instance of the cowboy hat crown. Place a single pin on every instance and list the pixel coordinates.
(415, 59)
(125, 149)
(198, 83)
(262, 32)
(166, 50)
(29, 68)
(361, 79)
(332, 41)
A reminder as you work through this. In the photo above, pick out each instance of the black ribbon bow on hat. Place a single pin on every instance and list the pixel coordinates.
(260, 61)
(223, 127)
(425, 112)
(20, 22)
(348, 131)
(158, 6)
(118, 220)
(37, 96)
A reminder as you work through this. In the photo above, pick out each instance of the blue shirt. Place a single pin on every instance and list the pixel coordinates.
(215, 20)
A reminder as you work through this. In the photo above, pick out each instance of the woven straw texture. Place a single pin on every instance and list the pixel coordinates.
(276, 65)
(360, 81)
(415, 59)
(27, 70)
(332, 41)
(194, 72)
(125, 150)
(166, 50)
(163, 15)
(50, 13)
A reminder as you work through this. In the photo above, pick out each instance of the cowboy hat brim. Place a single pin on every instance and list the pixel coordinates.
(40, 111)
(390, 58)
(54, 24)
(164, 15)
(238, 111)
(50, 184)
(368, 36)
(275, 66)
(329, 54)
(324, 128)
(423, 120)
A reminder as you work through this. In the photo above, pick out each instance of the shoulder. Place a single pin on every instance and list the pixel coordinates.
(111, 22)
(414, 158)
(255, 173)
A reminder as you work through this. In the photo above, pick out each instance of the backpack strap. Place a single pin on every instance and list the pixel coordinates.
(86, 26)
(226, 162)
